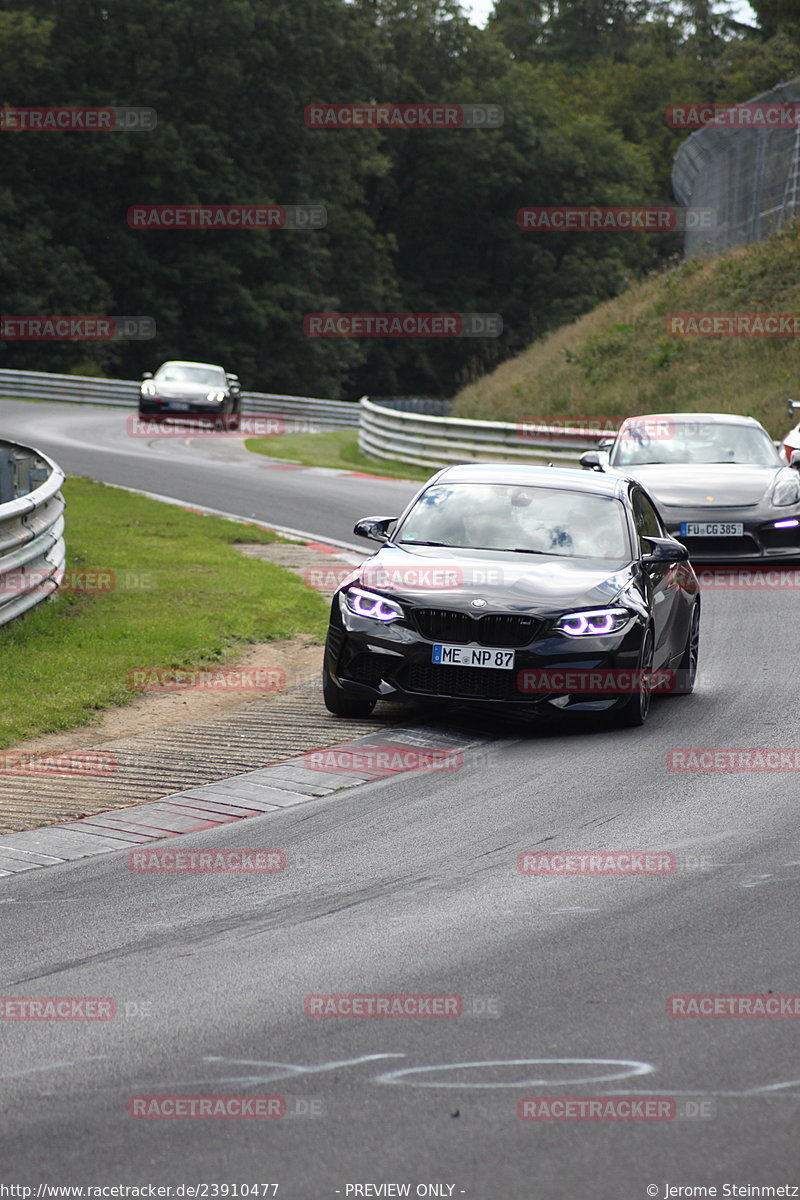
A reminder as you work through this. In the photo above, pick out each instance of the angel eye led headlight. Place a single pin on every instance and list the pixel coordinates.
(593, 624)
(370, 604)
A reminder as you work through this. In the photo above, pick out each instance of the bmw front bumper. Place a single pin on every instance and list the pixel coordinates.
(395, 662)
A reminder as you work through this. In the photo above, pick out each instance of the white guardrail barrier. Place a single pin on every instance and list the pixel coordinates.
(385, 431)
(79, 389)
(32, 547)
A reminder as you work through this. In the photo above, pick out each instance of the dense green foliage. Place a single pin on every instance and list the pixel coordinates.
(417, 221)
(620, 359)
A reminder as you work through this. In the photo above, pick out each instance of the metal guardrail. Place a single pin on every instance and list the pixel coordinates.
(412, 430)
(429, 441)
(32, 549)
(124, 393)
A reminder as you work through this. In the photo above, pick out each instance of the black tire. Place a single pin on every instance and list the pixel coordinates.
(233, 421)
(344, 704)
(634, 711)
(686, 674)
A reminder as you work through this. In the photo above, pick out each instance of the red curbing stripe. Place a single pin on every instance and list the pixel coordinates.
(365, 475)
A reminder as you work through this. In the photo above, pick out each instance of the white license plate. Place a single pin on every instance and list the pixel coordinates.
(178, 407)
(712, 529)
(472, 656)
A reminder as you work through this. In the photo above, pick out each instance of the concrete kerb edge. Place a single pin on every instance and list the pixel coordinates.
(32, 841)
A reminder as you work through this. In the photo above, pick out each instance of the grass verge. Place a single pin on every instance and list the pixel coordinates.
(183, 597)
(334, 448)
(619, 359)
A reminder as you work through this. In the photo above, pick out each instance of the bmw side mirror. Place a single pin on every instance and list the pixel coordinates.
(592, 460)
(147, 375)
(665, 550)
(374, 528)
(794, 459)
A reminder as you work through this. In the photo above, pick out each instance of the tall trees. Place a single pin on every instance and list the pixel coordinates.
(417, 220)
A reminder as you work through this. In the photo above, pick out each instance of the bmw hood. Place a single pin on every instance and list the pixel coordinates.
(506, 581)
(710, 485)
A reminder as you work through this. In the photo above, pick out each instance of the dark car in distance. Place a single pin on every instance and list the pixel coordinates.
(555, 589)
(720, 485)
(181, 390)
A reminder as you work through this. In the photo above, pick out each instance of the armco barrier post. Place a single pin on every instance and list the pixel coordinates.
(6, 474)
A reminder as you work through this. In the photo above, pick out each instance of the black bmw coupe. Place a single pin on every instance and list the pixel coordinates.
(555, 589)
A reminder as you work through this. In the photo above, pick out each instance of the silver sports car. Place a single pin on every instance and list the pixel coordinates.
(720, 484)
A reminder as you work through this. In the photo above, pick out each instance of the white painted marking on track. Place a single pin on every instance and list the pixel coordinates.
(285, 1071)
(56, 1066)
(630, 1067)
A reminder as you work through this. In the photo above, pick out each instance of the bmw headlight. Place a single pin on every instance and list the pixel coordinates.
(595, 623)
(148, 389)
(216, 396)
(786, 491)
(370, 604)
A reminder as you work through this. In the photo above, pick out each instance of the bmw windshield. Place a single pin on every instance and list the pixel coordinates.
(528, 520)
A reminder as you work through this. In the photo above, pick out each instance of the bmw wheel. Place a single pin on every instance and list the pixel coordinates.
(686, 673)
(635, 710)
